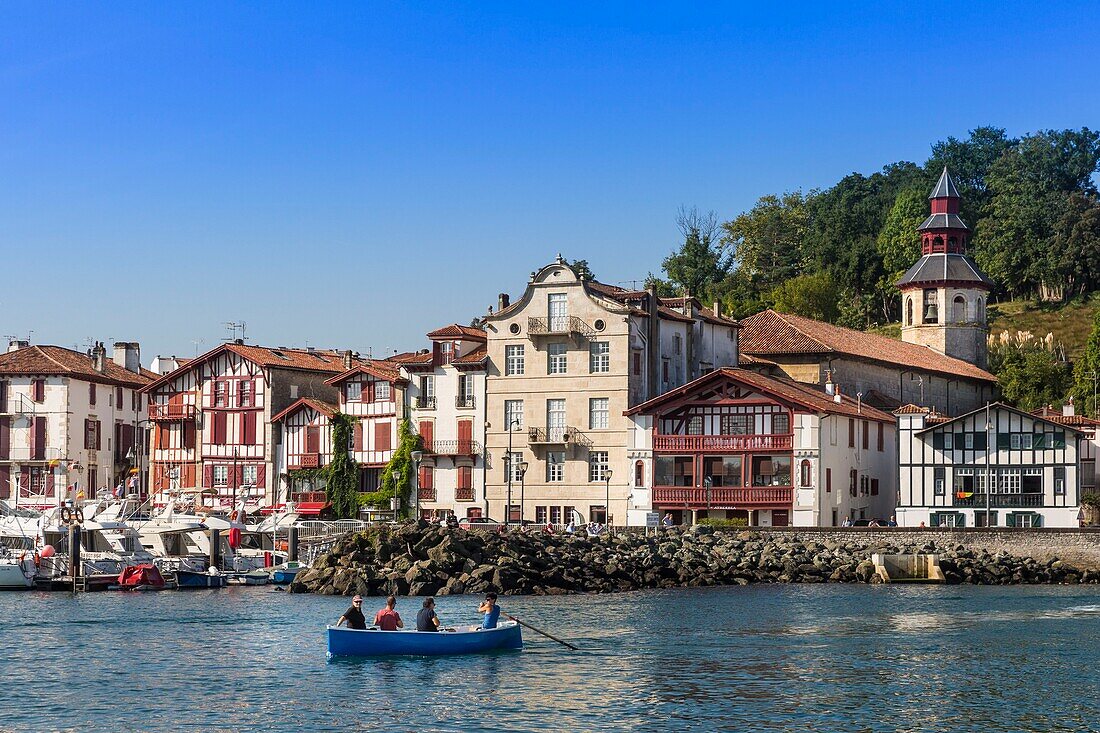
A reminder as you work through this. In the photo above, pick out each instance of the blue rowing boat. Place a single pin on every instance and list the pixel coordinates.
(344, 642)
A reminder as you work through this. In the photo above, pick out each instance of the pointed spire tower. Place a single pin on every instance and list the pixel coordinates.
(943, 295)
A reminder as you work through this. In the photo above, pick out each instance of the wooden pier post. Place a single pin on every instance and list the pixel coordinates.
(215, 548)
(74, 555)
(291, 543)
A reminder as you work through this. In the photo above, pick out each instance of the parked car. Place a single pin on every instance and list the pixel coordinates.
(478, 523)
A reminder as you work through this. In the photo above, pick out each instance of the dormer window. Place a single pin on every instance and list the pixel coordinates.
(447, 352)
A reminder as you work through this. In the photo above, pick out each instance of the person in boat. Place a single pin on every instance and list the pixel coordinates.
(388, 619)
(491, 610)
(426, 620)
(353, 617)
(571, 527)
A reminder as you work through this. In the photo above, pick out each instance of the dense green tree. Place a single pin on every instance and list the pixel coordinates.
(1086, 370)
(584, 272)
(702, 260)
(812, 296)
(898, 241)
(766, 241)
(1030, 375)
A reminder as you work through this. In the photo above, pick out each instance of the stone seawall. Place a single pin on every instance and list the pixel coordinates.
(417, 559)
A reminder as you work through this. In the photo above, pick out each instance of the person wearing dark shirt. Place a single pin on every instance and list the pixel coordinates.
(426, 620)
(354, 615)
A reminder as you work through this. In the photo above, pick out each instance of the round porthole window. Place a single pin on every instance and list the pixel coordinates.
(599, 324)
(514, 328)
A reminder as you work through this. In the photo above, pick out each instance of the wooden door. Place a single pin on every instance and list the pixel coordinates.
(427, 434)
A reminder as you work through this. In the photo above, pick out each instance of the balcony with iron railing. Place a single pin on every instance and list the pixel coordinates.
(452, 447)
(464, 403)
(464, 493)
(423, 403)
(426, 493)
(171, 411)
(695, 497)
(722, 443)
(304, 460)
(559, 326)
(1000, 501)
(567, 435)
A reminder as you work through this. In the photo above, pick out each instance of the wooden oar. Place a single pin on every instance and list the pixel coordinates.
(540, 631)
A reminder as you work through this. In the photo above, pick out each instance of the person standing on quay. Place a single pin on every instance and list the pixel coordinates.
(389, 619)
(354, 615)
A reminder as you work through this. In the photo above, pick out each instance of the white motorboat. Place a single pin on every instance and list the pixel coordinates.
(17, 570)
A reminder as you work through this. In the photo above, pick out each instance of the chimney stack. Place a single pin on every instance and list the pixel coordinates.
(127, 354)
(99, 357)
(502, 302)
(1067, 409)
(717, 309)
(16, 345)
(830, 388)
(347, 360)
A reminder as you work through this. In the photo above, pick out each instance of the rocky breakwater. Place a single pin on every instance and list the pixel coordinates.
(417, 559)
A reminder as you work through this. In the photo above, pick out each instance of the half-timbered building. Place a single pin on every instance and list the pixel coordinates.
(373, 393)
(996, 466)
(213, 418)
(738, 445)
(304, 449)
(69, 420)
(447, 396)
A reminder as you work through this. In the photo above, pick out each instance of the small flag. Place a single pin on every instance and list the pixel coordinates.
(963, 494)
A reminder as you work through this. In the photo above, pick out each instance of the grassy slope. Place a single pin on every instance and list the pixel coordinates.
(1070, 324)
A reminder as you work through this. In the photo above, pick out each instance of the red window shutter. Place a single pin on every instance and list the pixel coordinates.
(427, 428)
(49, 482)
(5, 442)
(39, 390)
(874, 487)
(465, 477)
(880, 436)
(248, 428)
(425, 477)
(465, 436)
(369, 391)
(38, 439)
(118, 397)
(219, 428)
(382, 436)
(189, 435)
(3, 396)
(261, 476)
(313, 439)
(91, 394)
(828, 480)
(98, 435)
(357, 437)
(208, 476)
(851, 432)
(866, 434)
(5, 482)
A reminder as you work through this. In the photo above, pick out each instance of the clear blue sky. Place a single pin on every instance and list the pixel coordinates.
(357, 175)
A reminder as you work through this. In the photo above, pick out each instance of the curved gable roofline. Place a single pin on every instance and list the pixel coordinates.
(543, 276)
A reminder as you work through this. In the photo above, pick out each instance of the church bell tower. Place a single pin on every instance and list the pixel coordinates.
(943, 296)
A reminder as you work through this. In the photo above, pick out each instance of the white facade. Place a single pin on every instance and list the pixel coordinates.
(68, 422)
(1031, 463)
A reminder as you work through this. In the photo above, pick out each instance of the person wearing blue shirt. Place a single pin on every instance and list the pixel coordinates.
(491, 610)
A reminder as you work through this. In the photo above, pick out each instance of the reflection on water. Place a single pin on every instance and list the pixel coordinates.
(761, 658)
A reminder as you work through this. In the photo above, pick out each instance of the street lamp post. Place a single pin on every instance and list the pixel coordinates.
(607, 498)
(522, 472)
(988, 485)
(509, 469)
(417, 456)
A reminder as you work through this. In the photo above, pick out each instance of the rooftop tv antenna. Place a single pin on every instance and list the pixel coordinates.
(233, 327)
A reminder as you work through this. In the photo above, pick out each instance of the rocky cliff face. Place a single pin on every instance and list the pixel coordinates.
(418, 559)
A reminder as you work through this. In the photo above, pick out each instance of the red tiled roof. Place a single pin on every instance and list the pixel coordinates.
(1072, 420)
(935, 419)
(614, 291)
(769, 332)
(707, 314)
(411, 357)
(377, 368)
(325, 408)
(798, 393)
(475, 357)
(456, 331)
(911, 409)
(59, 360)
(313, 360)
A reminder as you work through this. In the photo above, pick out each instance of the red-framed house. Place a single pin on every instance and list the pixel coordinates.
(735, 444)
(373, 393)
(213, 418)
(306, 429)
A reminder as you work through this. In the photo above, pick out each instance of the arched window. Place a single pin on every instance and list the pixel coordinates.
(908, 311)
(953, 243)
(958, 314)
(979, 316)
(639, 474)
(805, 474)
(937, 244)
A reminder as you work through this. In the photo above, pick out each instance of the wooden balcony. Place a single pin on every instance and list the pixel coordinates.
(170, 411)
(464, 493)
(721, 443)
(1000, 501)
(718, 497)
(559, 326)
(453, 447)
(304, 460)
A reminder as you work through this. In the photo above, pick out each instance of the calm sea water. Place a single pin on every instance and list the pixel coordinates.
(759, 658)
